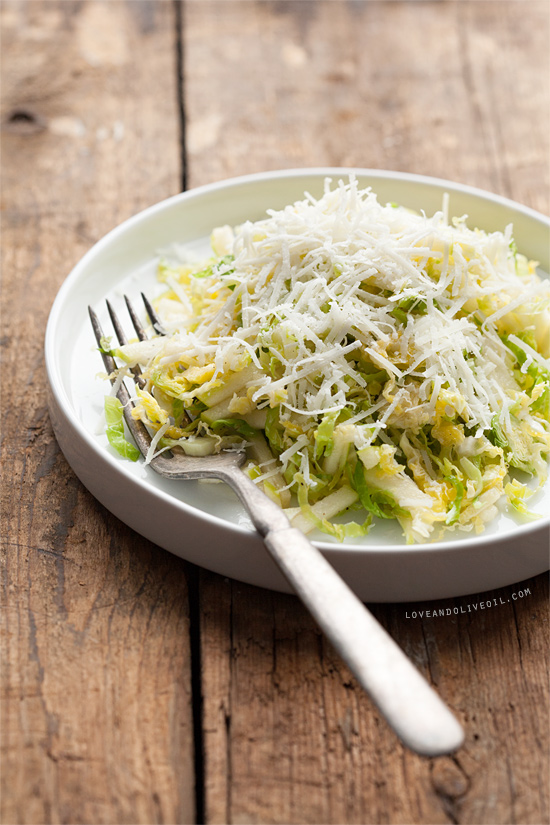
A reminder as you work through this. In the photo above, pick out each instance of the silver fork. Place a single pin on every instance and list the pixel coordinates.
(411, 707)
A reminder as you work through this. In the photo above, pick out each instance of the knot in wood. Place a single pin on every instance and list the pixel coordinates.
(448, 779)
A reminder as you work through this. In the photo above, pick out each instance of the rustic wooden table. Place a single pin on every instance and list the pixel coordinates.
(137, 688)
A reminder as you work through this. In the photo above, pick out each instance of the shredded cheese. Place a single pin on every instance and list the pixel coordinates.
(395, 320)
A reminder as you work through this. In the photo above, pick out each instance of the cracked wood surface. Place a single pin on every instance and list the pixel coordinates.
(96, 705)
(98, 630)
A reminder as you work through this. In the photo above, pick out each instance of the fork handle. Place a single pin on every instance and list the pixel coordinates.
(411, 707)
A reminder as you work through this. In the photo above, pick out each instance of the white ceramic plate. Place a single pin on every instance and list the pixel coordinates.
(203, 522)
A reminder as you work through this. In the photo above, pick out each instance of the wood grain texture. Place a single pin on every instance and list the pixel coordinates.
(457, 90)
(96, 705)
(96, 678)
(289, 736)
(452, 89)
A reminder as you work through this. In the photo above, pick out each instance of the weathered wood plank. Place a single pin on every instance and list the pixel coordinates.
(96, 707)
(299, 742)
(456, 90)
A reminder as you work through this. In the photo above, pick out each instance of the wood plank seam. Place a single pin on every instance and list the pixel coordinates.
(180, 85)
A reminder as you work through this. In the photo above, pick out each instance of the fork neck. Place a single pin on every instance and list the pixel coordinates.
(265, 514)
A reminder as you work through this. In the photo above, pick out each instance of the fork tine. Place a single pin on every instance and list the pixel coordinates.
(137, 428)
(121, 335)
(108, 360)
(141, 334)
(155, 320)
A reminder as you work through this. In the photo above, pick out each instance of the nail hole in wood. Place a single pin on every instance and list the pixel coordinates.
(24, 122)
(21, 116)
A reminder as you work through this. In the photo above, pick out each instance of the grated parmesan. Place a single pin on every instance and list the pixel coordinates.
(402, 326)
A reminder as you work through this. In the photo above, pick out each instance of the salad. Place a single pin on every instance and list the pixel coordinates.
(373, 359)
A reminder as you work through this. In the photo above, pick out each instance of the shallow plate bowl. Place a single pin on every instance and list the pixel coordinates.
(202, 521)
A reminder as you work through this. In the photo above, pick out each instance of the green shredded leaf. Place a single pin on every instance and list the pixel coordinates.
(177, 409)
(406, 306)
(535, 373)
(400, 315)
(339, 531)
(105, 346)
(274, 431)
(214, 268)
(379, 377)
(516, 494)
(323, 435)
(454, 509)
(471, 468)
(114, 416)
(542, 403)
(378, 502)
(496, 435)
(236, 424)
